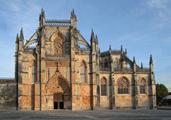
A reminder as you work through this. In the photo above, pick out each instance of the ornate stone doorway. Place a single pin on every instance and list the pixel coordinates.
(58, 87)
(58, 99)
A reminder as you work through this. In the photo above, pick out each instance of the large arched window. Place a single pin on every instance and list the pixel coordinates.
(143, 86)
(123, 86)
(103, 86)
(83, 72)
(57, 45)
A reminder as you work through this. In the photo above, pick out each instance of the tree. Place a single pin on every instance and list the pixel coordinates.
(161, 91)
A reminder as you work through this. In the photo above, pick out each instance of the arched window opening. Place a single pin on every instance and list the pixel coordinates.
(57, 44)
(143, 86)
(106, 65)
(123, 86)
(83, 72)
(103, 87)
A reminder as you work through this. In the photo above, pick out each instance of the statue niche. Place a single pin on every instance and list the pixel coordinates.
(57, 44)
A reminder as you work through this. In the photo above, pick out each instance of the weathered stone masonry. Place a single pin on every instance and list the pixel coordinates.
(58, 69)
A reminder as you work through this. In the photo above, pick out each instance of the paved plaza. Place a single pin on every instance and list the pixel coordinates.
(88, 115)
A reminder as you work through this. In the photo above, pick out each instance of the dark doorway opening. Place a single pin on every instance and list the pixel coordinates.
(55, 105)
(61, 104)
(58, 105)
(58, 101)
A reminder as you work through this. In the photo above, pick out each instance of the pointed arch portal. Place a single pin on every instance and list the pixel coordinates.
(58, 88)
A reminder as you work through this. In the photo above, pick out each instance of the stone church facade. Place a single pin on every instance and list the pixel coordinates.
(58, 69)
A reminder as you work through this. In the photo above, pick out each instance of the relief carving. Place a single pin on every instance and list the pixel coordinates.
(57, 84)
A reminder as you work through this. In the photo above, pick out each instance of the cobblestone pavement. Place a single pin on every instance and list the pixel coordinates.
(87, 115)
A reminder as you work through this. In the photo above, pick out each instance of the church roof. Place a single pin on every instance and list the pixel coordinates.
(58, 22)
(115, 52)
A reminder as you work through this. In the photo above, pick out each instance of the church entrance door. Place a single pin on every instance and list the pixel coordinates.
(58, 101)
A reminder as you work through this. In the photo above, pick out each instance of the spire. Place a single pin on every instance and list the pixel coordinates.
(110, 49)
(17, 38)
(134, 60)
(42, 18)
(151, 60)
(134, 65)
(97, 41)
(73, 19)
(121, 48)
(92, 35)
(73, 15)
(99, 51)
(42, 12)
(92, 32)
(92, 41)
(17, 43)
(21, 35)
(141, 65)
(125, 51)
(151, 64)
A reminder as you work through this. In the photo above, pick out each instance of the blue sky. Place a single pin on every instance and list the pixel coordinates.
(141, 26)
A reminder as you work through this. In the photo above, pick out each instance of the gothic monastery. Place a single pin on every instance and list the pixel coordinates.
(57, 68)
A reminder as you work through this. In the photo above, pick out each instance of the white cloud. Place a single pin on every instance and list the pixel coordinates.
(161, 11)
(157, 4)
